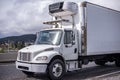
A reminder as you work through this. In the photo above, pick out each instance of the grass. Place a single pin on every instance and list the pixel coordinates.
(2, 50)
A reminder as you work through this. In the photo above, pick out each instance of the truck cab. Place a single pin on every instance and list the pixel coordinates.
(56, 49)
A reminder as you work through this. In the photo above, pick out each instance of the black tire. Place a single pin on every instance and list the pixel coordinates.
(28, 73)
(56, 72)
(117, 63)
(99, 62)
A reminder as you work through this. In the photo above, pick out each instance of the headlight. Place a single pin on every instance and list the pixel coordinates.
(41, 58)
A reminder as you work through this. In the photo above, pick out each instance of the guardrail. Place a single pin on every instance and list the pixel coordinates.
(8, 57)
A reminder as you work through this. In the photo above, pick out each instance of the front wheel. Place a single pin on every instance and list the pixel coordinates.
(56, 69)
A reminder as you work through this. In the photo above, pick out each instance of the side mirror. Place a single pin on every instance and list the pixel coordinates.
(73, 42)
(37, 34)
(73, 39)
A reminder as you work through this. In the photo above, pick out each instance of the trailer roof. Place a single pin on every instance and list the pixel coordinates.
(85, 2)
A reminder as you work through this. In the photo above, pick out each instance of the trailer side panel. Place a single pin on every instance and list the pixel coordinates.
(103, 30)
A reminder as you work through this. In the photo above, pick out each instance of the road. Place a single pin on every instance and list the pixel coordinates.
(89, 72)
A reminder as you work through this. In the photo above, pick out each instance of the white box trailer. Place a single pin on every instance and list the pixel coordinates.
(103, 30)
(82, 32)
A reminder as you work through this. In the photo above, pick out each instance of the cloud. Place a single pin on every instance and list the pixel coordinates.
(23, 16)
(19, 17)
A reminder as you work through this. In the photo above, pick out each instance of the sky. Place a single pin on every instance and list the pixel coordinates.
(18, 17)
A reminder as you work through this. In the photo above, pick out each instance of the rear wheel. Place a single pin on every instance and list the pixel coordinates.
(100, 62)
(28, 73)
(117, 62)
(56, 69)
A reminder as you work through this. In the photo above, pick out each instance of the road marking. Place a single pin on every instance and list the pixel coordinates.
(104, 75)
(6, 64)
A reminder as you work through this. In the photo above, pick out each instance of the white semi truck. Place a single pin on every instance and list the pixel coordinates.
(81, 33)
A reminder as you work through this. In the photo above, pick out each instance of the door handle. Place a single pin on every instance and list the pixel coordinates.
(75, 50)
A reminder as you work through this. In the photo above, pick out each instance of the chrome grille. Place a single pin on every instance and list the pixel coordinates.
(24, 56)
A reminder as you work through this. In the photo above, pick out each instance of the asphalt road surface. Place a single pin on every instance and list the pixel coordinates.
(89, 72)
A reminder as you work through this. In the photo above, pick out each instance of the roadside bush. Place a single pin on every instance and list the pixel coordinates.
(1, 50)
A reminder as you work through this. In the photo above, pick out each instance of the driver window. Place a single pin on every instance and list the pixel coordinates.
(68, 37)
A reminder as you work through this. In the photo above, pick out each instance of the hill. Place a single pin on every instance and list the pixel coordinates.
(25, 38)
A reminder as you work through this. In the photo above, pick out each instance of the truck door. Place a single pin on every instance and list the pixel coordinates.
(70, 50)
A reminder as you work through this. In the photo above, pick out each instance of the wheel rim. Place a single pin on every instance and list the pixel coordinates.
(57, 69)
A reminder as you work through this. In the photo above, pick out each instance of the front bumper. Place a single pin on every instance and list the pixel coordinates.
(31, 67)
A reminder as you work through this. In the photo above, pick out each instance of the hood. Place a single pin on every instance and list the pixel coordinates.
(36, 48)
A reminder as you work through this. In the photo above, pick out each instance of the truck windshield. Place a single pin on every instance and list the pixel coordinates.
(51, 37)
